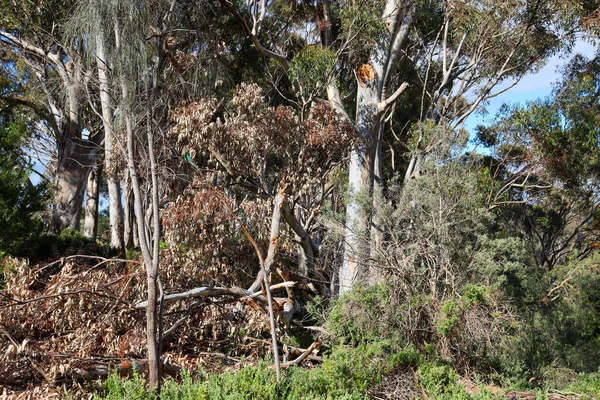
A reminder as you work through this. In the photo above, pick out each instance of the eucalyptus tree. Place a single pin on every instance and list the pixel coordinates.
(142, 52)
(31, 37)
(460, 51)
(98, 21)
(116, 33)
(546, 165)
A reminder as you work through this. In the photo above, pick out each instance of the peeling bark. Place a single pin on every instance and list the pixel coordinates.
(70, 184)
(90, 226)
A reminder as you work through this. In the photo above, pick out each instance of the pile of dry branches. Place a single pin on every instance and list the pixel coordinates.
(79, 317)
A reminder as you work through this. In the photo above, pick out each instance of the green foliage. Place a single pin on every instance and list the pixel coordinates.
(133, 254)
(475, 294)
(312, 68)
(441, 382)
(361, 20)
(116, 388)
(345, 374)
(359, 316)
(20, 202)
(437, 378)
(27, 17)
(504, 263)
(449, 317)
(586, 384)
(256, 382)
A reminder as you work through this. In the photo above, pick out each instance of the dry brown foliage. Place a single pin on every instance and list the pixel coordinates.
(60, 320)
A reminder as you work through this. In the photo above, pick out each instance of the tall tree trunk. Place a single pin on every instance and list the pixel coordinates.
(115, 209)
(149, 263)
(75, 156)
(360, 179)
(150, 248)
(377, 232)
(128, 214)
(69, 184)
(90, 225)
(371, 103)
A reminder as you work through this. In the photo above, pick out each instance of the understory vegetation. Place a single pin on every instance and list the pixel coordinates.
(464, 312)
(287, 199)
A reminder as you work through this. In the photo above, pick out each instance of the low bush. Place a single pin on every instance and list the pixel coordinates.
(346, 373)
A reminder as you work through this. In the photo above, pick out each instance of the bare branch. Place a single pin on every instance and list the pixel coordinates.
(383, 105)
(259, 46)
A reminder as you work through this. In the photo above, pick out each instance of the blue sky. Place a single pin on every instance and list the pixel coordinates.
(532, 86)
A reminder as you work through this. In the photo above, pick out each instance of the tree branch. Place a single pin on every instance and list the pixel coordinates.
(259, 46)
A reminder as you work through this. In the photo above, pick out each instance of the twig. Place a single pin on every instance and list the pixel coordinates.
(52, 296)
(33, 364)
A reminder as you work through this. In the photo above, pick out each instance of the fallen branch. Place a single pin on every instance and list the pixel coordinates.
(318, 329)
(199, 292)
(274, 287)
(294, 349)
(302, 356)
(207, 291)
(299, 351)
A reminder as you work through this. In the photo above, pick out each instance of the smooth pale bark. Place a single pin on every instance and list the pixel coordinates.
(305, 253)
(115, 209)
(151, 271)
(377, 232)
(360, 176)
(154, 328)
(372, 102)
(90, 225)
(149, 248)
(129, 234)
(266, 266)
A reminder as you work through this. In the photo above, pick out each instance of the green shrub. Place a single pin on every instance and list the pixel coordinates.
(437, 378)
(450, 313)
(345, 374)
(586, 384)
(475, 294)
(362, 315)
(441, 382)
(116, 388)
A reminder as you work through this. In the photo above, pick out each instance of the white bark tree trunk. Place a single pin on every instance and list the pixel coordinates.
(377, 231)
(90, 225)
(129, 234)
(371, 103)
(115, 208)
(360, 178)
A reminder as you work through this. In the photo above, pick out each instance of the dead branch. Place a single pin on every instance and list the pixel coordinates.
(207, 291)
(296, 350)
(303, 356)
